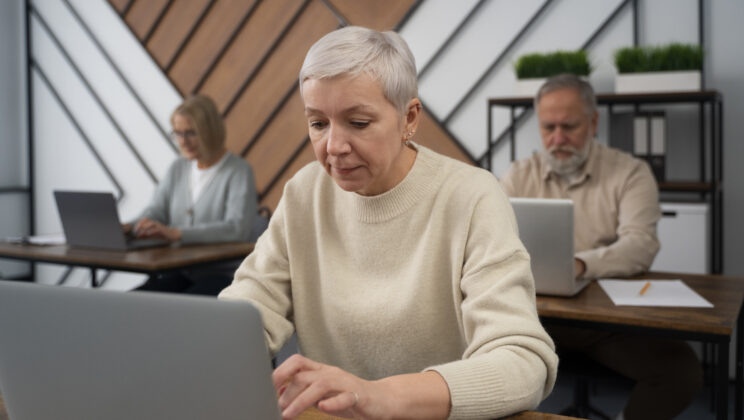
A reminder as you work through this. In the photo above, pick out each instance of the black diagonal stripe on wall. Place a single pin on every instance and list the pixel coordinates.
(94, 94)
(119, 73)
(79, 129)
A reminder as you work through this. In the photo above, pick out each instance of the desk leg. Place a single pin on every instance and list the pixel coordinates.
(93, 278)
(722, 377)
(739, 394)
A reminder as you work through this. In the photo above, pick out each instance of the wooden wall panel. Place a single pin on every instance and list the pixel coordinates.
(173, 29)
(120, 5)
(283, 135)
(431, 135)
(278, 75)
(143, 14)
(241, 55)
(207, 42)
(381, 15)
(241, 59)
(271, 198)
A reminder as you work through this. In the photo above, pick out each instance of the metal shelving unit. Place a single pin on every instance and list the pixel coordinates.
(709, 182)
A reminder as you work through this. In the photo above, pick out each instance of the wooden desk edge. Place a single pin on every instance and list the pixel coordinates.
(313, 414)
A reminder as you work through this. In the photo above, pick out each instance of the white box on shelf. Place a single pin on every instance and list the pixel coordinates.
(660, 81)
(684, 236)
(528, 87)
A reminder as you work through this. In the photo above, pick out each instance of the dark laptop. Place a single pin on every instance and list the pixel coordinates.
(91, 220)
(71, 354)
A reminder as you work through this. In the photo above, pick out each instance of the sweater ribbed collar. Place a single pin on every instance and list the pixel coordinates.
(420, 182)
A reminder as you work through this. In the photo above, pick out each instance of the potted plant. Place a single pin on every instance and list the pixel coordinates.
(672, 67)
(533, 69)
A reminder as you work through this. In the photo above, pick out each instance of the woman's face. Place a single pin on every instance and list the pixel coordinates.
(185, 135)
(357, 135)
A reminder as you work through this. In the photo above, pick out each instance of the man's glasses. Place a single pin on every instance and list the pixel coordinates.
(186, 135)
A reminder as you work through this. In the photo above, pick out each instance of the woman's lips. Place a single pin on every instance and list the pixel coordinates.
(344, 171)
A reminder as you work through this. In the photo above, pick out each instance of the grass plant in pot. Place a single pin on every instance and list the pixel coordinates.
(533, 69)
(666, 68)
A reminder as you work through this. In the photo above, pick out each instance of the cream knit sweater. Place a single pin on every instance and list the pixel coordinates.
(430, 275)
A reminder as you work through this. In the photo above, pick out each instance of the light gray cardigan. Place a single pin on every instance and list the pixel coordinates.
(224, 211)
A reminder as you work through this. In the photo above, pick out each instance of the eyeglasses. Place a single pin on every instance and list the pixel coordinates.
(186, 135)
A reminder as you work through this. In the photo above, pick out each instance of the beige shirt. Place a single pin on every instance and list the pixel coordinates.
(616, 207)
(427, 276)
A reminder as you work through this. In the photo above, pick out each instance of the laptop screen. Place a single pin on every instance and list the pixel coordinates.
(79, 353)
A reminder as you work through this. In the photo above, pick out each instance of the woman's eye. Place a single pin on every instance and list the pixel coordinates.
(360, 124)
(317, 124)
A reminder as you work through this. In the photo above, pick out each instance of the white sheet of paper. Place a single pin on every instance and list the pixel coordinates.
(51, 239)
(661, 293)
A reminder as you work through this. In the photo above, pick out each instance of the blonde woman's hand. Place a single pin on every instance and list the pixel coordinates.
(148, 228)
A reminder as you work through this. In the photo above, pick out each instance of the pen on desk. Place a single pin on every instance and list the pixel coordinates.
(645, 288)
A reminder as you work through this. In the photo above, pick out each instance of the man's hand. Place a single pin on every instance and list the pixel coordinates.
(579, 268)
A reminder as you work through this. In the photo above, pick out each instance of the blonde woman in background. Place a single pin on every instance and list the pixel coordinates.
(207, 196)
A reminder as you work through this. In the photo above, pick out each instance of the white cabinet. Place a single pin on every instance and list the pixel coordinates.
(684, 237)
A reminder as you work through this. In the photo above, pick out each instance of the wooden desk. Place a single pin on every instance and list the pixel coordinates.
(148, 261)
(592, 308)
(317, 415)
(313, 414)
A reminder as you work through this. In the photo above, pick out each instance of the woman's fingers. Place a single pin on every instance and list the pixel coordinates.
(313, 391)
(339, 404)
(296, 363)
(302, 383)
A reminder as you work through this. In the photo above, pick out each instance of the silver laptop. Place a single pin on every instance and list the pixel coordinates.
(91, 220)
(546, 228)
(70, 354)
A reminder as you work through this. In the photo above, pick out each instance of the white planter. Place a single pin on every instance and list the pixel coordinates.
(528, 87)
(661, 81)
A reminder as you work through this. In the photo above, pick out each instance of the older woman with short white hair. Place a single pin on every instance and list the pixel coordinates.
(399, 269)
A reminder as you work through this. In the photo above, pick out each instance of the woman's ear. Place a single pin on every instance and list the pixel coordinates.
(413, 114)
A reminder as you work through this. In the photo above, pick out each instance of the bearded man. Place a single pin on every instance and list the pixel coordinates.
(616, 208)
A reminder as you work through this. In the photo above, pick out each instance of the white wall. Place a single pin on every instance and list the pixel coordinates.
(726, 64)
(13, 141)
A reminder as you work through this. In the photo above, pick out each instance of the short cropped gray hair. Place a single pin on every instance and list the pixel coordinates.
(354, 50)
(570, 81)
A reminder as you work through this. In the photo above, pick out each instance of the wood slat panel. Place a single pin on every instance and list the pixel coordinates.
(281, 138)
(207, 42)
(143, 14)
(381, 15)
(431, 135)
(119, 5)
(271, 198)
(251, 44)
(277, 76)
(173, 29)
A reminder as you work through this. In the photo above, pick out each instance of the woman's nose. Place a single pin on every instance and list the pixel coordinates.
(338, 143)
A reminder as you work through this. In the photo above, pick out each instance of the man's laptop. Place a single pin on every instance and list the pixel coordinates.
(90, 219)
(546, 228)
(70, 354)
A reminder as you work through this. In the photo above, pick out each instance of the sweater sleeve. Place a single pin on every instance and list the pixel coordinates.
(264, 280)
(509, 363)
(636, 244)
(240, 211)
(158, 210)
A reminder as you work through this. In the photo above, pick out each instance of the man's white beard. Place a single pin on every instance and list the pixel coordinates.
(570, 165)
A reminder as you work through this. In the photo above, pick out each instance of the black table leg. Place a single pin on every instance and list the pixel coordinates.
(93, 278)
(739, 392)
(722, 379)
